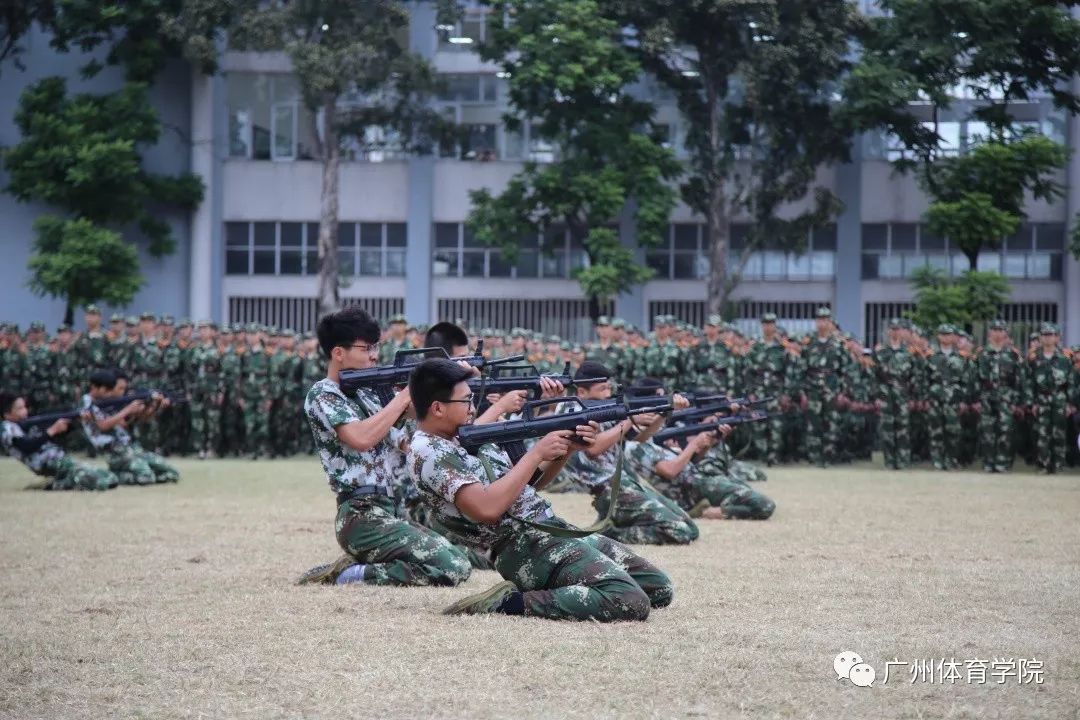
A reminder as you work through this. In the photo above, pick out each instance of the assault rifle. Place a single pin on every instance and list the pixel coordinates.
(682, 432)
(108, 404)
(502, 380)
(715, 404)
(511, 435)
(383, 379)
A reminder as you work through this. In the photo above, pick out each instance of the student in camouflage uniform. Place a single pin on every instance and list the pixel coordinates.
(206, 391)
(255, 393)
(897, 378)
(395, 339)
(712, 364)
(39, 370)
(312, 369)
(232, 347)
(642, 516)
(147, 371)
(662, 359)
(947, 384)
(823, 361)
(66, 370)
(108, 433)
(92, 347)
(1054, 396)
(285, 379)
(44, 457)
(12, 360)
(765, 376)
(550, 570)
(999, 377)
(360, 446)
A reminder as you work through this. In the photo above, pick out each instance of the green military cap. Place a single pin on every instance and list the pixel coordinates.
(659, 320)
(554, 339)
(1049, 329)
(116, 317)
(998, 325)
(896, 324)
(148, 316)
(603, 320)
(253, 328)
(823, 312)
(309, 336)
(167, 320)
(565, 345)
(519, 332)
(1033, 336)
(92, 309)
(399, 318)
(4, 327)
(287, 332)
(577, 348)
(37, 325)
(131, 321)
(206, 323)
(422, 328)
(64, 327)
(185, 322)
(946, 329)
(237, 328)
(14, 327)
(768, 318)
(714, 319)
(618, 323)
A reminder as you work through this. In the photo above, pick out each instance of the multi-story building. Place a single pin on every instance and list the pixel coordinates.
(248, 252)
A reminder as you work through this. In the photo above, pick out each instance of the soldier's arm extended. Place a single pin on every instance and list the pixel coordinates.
(366, 434)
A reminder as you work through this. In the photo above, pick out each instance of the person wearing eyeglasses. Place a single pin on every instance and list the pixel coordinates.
(360, 444)
(548, 571)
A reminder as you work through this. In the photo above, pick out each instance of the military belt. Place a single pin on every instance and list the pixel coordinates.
(365, 491)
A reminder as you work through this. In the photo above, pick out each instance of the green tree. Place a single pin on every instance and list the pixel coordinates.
(339, 48)
(81, 155)
(569, 73)
(82, 263)
(17, 17)
(973, 297)
(754, 80)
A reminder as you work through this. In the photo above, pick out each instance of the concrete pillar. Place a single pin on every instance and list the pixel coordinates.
(1071, 275)
(847, 302)
(630, 306)
(419, 303)
(208, 122)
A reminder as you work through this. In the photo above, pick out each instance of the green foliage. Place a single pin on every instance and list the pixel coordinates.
(82, 263)
(973, 297)
(81, 154)
(568, 74)
(17, 17)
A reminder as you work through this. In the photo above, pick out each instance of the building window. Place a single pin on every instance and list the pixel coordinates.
(684, 255)
(268, 119)
(894, 251)
(292, 248)
(458, 254)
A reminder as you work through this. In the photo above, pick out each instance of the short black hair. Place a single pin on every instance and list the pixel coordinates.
(103, 379)
(644, 386)
(120, 375)
(434, 379)
(590, 369)
(446, 335)
(345, 327)
(7, 400)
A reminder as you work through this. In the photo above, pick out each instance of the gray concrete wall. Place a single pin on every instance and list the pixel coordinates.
(165, 290)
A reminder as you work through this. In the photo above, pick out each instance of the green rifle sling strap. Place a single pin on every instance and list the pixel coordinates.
(598, 527)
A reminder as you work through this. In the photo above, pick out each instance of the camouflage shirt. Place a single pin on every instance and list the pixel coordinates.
(593, 473)
(441, 467)
(45, 460)
(114, 439)
(326, 407)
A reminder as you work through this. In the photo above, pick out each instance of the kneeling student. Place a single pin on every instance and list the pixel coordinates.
(484, 501)
(39, 453)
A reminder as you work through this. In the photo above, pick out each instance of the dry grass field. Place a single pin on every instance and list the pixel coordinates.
(179, 601)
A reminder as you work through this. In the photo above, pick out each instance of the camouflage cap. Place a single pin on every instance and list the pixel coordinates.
(14, 327)
(131, 321)
(399, 318)
(116, 317)
(185, 322)
(603, 320)
(823, 312)
(309, 335)
(998, 325)
(518, 332)
(1033, 336)
(64, 327)
(565, 345)
(554, 339)
(946, 329)
(1049, 329)
(92, 309)
(253, 328)
(148, 316)
(206, 323)
(287, 332)
(618, 323)
(715, 320)
(896, 324)
(659, 320)
(238, 327)
(37, 325)
(768, 318)
(167, 320)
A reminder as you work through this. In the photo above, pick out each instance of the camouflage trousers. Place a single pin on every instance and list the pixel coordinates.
(135, 466)
(769, 436)
(643, 516)
(895, 431)
(396, 551)
(822, 426)
(256, 426)
(996, 434)
(1051, 431)
(591, 578)
(945, 435)
(741, 471)
(282, 429)
(205, 424)
(737, 499)
(418, 512)
(72, 475)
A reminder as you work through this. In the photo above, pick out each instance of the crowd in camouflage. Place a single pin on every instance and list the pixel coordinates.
(920, 396)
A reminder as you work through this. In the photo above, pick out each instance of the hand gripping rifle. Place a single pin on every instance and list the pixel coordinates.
(511, 435)
(41, 422)
(704, 407)
(681, 432)
(383, 379)
(507, 378)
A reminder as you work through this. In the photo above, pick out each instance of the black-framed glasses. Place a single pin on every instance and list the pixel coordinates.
(467, 400)
(367, 348)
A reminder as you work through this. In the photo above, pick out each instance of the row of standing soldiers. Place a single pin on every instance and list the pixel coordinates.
(917, 399)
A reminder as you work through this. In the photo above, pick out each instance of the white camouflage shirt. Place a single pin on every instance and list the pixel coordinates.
(44, 461)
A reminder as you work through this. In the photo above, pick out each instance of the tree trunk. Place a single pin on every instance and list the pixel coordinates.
(329, 299)
(594, 307)
(716, 219)
(973, 259)
(69, 313)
